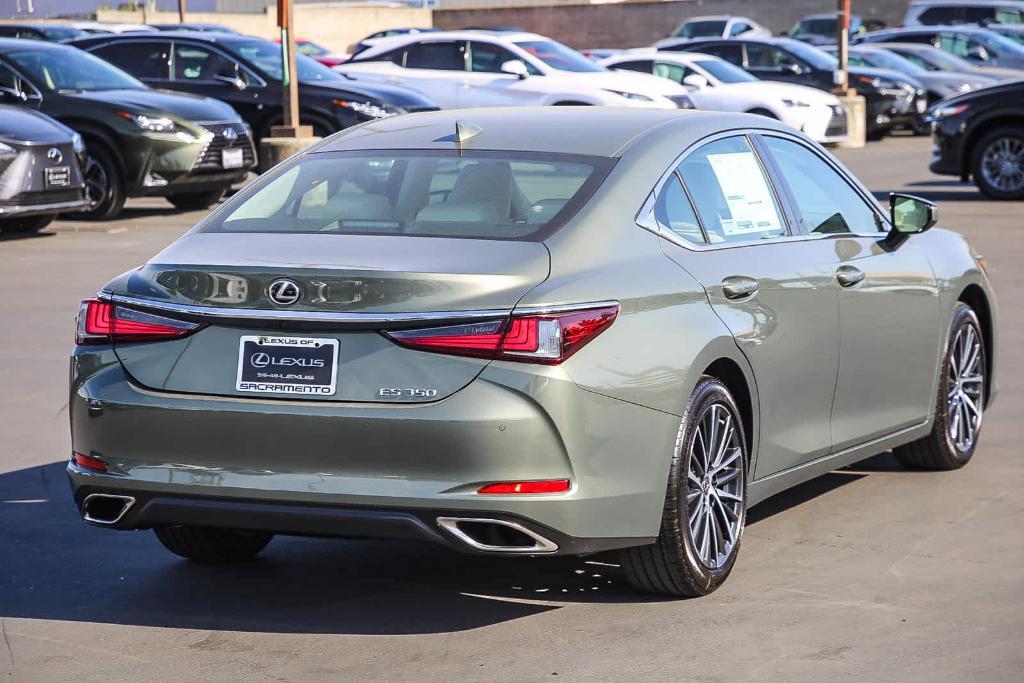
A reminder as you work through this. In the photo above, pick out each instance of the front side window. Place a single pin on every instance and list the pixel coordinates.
(673, 71)
(732, 193)
(730, 53)
(643, 66)
(826, 201)
(198, 64)
(448, 55)
(484, 195)
(64, 68)
(488, 58)
(143, 60)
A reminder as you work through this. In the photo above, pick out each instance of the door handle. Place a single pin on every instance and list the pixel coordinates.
(739, 287)
(848, 276)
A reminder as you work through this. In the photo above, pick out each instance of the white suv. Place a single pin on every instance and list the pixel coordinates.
(461, 69)
(949, 12)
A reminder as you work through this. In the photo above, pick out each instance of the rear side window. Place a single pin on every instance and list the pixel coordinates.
(644, 66)
(940, 15)
(485, 195)
(444, 55)
(143, 60)
(674, 212)
(733, 195)
(730, 53)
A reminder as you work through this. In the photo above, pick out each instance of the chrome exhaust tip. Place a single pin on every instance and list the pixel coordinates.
(496, 535)
(106, 509)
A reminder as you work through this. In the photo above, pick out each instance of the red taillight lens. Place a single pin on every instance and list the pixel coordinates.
(88, 462)
(547, 338)
(101, 322)
(521, 487)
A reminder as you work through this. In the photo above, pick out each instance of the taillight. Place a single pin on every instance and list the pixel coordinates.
(101, 322)
(547, 338)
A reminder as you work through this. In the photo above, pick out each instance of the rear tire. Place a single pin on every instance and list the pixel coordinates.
(700, 498)
(959, 403)
(997, 163)
(196, 201)
(212, 545)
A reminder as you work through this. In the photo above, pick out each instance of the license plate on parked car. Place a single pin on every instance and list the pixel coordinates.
(232, 158)
(287, 365)
(58, 176)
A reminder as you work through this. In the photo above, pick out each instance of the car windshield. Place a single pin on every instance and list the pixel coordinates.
(999, 44)
(710, 28)
(481, 195)
(885, 59)
(311, 49)
(934, 59)
(812, 55)
(724, 71)
(61, 33)
(558, 56)
(266, 56)
(814, 27)
(66, 68)
(1011, 32)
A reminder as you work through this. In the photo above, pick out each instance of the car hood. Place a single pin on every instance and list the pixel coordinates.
(872, 72)
(789, 91)
(28, 125)
(951, 83)
(183, 105)
(1008, 91)
(624, 81)
(390, 94)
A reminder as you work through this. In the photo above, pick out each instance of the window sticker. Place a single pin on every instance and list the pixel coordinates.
(750, 201)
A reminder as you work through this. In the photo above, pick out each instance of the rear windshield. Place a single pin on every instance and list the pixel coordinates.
(480, 195)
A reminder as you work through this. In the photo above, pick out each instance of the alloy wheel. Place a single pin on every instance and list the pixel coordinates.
(97, 183)
(1002, 164)
(714, 489)
(965, 388)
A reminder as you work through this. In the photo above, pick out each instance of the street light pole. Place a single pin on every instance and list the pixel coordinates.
(843, 41)
(289, 82)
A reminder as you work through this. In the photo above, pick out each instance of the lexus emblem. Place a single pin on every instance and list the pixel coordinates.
(283, 292)
(230, 134)
(260, 360)
(54, 155)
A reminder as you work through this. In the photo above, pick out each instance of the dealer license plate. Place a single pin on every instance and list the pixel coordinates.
(232, 158)
(58, 176)
(287, 365)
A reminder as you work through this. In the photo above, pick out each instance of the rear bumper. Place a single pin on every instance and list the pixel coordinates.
(150, 510)
(217, 455)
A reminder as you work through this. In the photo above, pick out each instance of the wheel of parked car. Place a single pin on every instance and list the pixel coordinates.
(212, 545)
(196, 200)
(960, 400)
(104, 188)
(705, 507)
(998, 163)
(32, 224)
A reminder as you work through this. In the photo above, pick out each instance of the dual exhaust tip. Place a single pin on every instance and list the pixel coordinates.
(480, 533)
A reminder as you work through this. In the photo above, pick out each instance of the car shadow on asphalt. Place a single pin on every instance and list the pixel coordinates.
(24, 235)
(54, 566)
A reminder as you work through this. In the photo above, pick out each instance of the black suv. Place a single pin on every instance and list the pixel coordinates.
(892, 98)
(980, 135)
(138, 141)
(246, 72)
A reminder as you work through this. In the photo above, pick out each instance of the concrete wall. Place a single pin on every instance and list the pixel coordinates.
(336, 27)
(633, 24)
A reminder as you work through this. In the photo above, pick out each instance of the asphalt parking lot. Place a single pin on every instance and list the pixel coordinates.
(872, 572)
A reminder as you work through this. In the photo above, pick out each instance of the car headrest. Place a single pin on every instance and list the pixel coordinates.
(447, 212)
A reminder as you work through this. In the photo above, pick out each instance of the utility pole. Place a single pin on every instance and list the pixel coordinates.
(181, 11)
(843, 41)
(291, 136)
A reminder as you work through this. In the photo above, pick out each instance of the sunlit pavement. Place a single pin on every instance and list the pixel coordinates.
(870, 572)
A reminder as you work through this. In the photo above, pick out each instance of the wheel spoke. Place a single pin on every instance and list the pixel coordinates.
(723, 479)
(726, 521)
(695, 517)
(969, 403)
(725, 495)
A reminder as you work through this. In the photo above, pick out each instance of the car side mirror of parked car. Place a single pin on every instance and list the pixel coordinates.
(696, 81)
(792, 68)
(515, 67)
(909, 215)
(232, 75)
(12, 95)
(977, 54)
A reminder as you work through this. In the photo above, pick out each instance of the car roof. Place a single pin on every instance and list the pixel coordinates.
(14, 43)
(716, 17)
(592, 131)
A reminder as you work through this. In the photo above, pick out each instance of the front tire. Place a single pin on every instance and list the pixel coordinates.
(997, 163)
(104, 187)
(196, 201)
(705, 504)
(212, 545)
(960, 400)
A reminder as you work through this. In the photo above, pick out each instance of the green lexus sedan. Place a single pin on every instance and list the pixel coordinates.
(528, 331)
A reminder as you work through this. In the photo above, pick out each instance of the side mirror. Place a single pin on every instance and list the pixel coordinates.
(232, 75)
(977, 54)
(909, 215)
(695, 81)
(515, 67)
(13, 95)
(792, 68)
